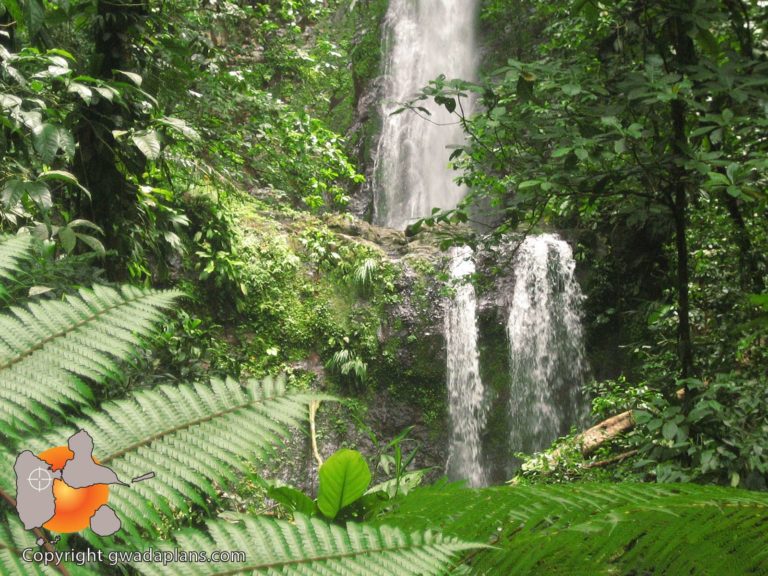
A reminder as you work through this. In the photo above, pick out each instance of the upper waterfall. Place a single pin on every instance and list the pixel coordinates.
(423, 39)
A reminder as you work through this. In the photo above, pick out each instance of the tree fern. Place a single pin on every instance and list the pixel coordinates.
(193, 437)
(14, 539)
(7, 478)
(46, 344)
(13, 249)
(311, 546)
(600, 528)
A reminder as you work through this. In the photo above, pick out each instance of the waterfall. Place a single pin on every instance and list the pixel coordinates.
(465, 389)
(423, 39)
(546, 340)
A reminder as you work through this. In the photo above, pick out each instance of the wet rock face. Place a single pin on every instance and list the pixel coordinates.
(407, 373)
(364, 135)
(494, 371)
(407, 377)
(407, 368)
(391, 242)
(337, 428)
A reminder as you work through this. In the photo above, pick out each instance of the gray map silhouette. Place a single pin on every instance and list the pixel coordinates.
(104, 521)
(34, 497)
(81, 471)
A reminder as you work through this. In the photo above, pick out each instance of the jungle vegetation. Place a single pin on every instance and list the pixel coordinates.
(176, 183)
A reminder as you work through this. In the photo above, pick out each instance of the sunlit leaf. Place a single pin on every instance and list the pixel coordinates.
(148, 143)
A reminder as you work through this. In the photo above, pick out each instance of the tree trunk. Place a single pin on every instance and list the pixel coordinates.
(750, 278)
(680, 212)
(684, 56)
(593, 438)
(113, 196)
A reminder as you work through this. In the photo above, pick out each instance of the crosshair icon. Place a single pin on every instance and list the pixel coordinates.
(39, 479)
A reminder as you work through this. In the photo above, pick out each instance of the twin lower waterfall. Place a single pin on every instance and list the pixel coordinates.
(465, 389)
(424, 39)
(546, 344)
(547, 362)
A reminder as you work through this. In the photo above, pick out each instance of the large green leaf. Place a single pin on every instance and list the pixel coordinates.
(293, 499)
(47, 344)
(49, 139)
(148, 143)
(132, 76)
(344, 477)
(14, 190)
(68, 238)
(34, 16)
(40, 194)
(81, 90)
(180, 126)
(195, 438)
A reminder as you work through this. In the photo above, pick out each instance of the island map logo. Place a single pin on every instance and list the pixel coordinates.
(65, 489)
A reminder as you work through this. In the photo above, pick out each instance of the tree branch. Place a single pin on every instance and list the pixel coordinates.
(37, 532)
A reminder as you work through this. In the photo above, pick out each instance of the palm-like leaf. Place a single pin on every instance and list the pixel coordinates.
(13, 249)
(45, 345)
(14, 539)
(193, 437)
(7, 477)
(600, 528)
(310, 546)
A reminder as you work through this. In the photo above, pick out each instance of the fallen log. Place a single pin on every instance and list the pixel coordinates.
(591, 439)
(588, 441)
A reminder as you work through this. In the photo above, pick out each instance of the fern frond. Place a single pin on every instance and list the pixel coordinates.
(13, 249)
(600, 528)
(193, 437)
(45, 345)
(14, 539)
(364, 274)
(7, 478)
(311, 546)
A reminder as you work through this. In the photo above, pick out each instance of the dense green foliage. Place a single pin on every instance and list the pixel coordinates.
(154, 429)
(174, 181)
(598, 528)
(641, 127)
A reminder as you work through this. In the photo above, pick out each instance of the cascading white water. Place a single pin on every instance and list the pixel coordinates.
(465, 389)
(546, 340)
(423, 39)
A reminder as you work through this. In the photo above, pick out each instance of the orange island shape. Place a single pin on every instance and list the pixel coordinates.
(74, 506)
